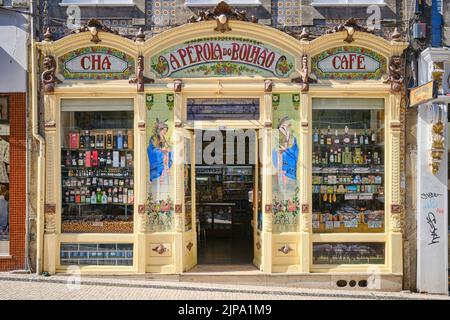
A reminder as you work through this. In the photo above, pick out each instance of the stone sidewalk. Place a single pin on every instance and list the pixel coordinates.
(31, 286)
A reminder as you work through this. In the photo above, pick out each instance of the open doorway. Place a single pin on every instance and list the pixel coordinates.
(224, 200)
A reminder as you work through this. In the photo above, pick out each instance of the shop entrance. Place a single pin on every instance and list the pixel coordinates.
(224, 183)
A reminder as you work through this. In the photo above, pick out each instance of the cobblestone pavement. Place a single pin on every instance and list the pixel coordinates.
(30, 286)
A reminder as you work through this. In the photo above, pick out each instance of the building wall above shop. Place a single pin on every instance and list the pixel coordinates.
(155, 16)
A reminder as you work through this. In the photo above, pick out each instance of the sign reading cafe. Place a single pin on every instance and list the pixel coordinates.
(222, 57)
(349, 63)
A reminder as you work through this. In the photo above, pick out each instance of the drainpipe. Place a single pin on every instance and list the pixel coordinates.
(41, 143)
(436, 23)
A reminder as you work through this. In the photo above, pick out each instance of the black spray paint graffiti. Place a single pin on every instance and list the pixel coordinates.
(430, 195)
(431, 220)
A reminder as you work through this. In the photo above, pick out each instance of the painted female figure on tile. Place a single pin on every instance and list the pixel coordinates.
(160, 156)
(285, 155)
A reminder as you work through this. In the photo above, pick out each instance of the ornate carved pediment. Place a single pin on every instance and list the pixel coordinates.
(222, 13)
(351, 25)
(94, 26)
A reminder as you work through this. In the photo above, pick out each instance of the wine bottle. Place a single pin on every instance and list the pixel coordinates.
(355, 139)
(328, 136)
(80, 159)
(81, 144)
(119, 140)
(93, 198)
(99, 196)
(339, 156)
(331, 156)
(87, 138)
(374, 137)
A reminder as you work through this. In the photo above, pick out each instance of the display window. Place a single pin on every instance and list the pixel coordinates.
(97, 161)
(348, 165)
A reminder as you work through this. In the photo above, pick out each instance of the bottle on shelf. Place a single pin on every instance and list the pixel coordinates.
(374, 137)
(366, 136)
(355, 139)
(336, 138)
(315, 136)
(339, 156)
(361, 139)
(87, 139)
(68, 159)
(130, 139)
(109, 139)
(99, 196)
(80, 160)
(322, 138)
(331, 156)
(92, 141)
(328, 136)
(93, 197)
(104, 197)
(81, 143)
(346, 139)
(119, 140)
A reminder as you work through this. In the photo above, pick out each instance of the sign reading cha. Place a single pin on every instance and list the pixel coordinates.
(219, 57)
(96, 63)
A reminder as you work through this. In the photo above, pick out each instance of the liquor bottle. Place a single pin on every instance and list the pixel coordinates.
(104, 198)
(346, 136)
(74, 142)
(322, 138)
(339, 156)
(122, 161)
(361, 139)
(315, 136)
(326, 158)
(374, 137)
(110, 200)
(114, 145)
(366, 137)
(129, 159)
(77, 196)
(355, 139)
(125, 196)
(347, 156)
(119, 140)
(67, 197)
(93, 198)
(115, 198)
(328, 136)
(92, 141)
(68, 159)
(109, 139)
(369, 158)
(130, 140)
(80, 159)
(125, 141)
(87, 159)
(130, 196)
(72, 196)
(87, 139)
(336, 138)
(83, 196)
(120, 196)
(81, 143)
(331, 156)
(108, 159)
(99, 196)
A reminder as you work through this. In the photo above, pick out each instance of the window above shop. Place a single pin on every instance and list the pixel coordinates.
(345, 3)
(211, 3)
(87, 3)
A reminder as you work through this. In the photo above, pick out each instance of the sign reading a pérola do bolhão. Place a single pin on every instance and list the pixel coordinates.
(222, 56)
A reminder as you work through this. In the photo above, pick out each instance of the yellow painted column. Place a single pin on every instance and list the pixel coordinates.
(305, 182)
(178, 251)
(395, 250)
(140, 216)
(266, 155)
(52, 206)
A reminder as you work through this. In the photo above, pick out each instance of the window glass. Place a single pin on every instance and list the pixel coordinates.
(348, 253)
(348, 166)
(97, 162)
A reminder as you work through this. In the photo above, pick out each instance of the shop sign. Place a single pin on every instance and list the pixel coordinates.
(349, 63)
(423, 93)
(216, 57)
(96, 63)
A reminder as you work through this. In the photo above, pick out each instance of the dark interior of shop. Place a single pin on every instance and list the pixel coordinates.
(224, 211)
